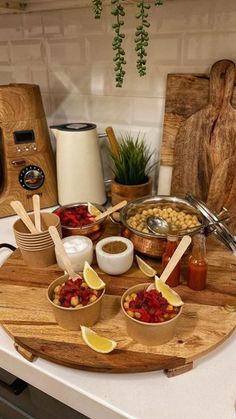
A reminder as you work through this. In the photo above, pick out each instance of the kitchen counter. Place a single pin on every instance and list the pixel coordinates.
(206, 392)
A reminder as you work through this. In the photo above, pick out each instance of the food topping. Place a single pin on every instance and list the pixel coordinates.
(96, 342)
(74, 294)
(177, 219)
(170, 295)
(114, 247)
(91, 277)
(149, 306)
(77, 216)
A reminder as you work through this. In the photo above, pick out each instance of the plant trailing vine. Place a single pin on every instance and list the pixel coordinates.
(97, 8)
(119, 58)
(141, 35)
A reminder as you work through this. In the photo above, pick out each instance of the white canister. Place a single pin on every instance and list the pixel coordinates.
(79, 165)
(79, 249)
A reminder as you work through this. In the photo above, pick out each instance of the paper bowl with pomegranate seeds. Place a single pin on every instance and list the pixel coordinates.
(74, 303)
(150, 318)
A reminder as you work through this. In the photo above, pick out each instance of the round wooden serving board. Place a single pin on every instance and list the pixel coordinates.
(209, 317)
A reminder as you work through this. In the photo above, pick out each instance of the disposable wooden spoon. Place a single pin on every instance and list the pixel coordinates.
(62, 253)
(111, 210)
(21, 212)
(37, 216)
(178, 253)
(175, 258)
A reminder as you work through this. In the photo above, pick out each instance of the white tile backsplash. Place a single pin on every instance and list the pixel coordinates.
(69, 54)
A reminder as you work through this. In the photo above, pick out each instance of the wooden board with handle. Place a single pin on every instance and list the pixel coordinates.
(209, 317)
(199, 137)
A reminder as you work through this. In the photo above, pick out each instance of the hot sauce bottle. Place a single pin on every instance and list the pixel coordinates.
(197, 265)
(174, 278)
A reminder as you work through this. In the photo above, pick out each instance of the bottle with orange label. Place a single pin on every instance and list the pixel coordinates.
(197, 265)
(171, 245)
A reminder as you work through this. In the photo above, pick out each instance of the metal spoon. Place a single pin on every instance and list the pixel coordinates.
(157, 225)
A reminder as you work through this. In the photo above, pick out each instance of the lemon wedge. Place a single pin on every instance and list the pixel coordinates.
(145, 268)
(170, 295)
(96, 342)
(91, 277)
(93, 210)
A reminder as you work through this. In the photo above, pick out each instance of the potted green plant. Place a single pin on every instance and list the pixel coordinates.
(131, 169)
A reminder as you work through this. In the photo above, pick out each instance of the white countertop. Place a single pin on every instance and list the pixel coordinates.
(206, 392)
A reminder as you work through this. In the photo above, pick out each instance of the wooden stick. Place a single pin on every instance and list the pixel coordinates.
(111, 210)
(178, 253)
(37, 217)
(62, 253)
(21, 212)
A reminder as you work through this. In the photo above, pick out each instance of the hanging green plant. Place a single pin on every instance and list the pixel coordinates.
(141, 35)
(119, 58)
(97, 8)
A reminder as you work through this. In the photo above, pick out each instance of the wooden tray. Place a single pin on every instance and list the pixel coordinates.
(209, 317)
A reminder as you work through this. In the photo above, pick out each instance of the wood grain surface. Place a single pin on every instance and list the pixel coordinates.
(21, 109)
(199, 137)
(209, 317)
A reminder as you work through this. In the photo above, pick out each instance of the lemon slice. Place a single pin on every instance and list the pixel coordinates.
(145, 268)
(93, 210)
(170, 295)
(91, 277)
(96, 342)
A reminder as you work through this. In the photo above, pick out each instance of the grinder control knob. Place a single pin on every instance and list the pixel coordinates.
(31, 177)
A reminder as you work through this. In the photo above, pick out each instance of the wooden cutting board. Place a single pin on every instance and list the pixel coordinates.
(209, 317)
(199, 137)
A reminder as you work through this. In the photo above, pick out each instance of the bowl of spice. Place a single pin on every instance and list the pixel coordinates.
(114, 255)
(80, 219)
(150, 318)
(74, 303)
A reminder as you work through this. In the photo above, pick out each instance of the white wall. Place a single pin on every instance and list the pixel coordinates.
(69, 54)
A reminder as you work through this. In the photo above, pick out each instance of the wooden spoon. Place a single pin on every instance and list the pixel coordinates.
(36, 207)
(178, 253)
(21, 212)
(175, 258)
(62, 253)
(111, 210)
(113, 141)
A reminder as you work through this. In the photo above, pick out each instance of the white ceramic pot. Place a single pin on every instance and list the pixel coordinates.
(114, 263)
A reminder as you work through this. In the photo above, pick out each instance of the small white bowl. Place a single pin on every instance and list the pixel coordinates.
(115, 263)
(79, 249)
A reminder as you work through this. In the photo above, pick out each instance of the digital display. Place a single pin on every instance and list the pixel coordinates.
(26, 136)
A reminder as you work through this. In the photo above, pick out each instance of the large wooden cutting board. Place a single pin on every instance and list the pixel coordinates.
(199, 137)
(208, 318)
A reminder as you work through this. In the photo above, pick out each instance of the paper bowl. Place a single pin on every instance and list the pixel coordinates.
(73, 318)
(151, 334)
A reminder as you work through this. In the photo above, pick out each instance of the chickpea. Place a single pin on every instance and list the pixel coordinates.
(74, 301)
(137, 315)
(57, 289)
(92, 298)
(130, 313)
(126, 305)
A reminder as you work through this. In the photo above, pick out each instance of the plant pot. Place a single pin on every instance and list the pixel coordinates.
(120, 192)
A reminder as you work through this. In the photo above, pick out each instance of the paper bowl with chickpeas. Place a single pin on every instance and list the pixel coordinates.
(74, 303)
(182, 217)
(150, 319)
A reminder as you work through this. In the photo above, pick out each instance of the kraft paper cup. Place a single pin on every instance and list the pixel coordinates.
(48, 219)
(73, 318)
(151, 334)
(39, 258)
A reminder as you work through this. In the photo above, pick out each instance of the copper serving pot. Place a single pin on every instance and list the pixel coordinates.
(93, 230)
(151, 244)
